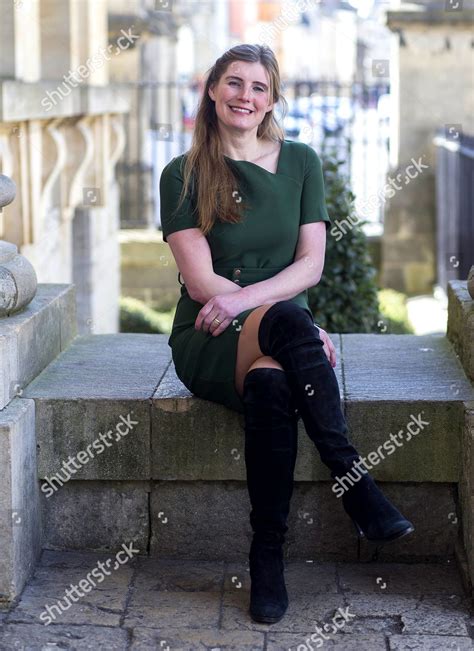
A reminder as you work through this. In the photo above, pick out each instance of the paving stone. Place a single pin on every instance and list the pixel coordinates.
(173, 609)
(191, 605)
(364, 625)
(174, 575)
(429, 643)
(51, 583)
(401, 578)
(291, 642)
(301, 577)
(381, 605)
(440, 615)
(29, 609)
(37, 637)
(145, 639)
(303, 612)
(237, 577)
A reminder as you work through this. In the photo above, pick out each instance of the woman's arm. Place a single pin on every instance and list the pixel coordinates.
(193, 258)
(304, 272)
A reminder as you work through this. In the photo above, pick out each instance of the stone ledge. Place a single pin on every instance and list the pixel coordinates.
(419, 15)
(23, 101)
(386, 382)
(20, 529)
(32, 338)
(461, 324)
(98, 385)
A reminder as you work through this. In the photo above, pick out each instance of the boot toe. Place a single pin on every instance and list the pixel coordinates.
(393, 531)
(268, 612)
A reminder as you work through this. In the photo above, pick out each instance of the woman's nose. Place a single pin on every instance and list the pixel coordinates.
(245, 93)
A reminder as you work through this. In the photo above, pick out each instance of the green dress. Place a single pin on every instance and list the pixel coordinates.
(259, 247)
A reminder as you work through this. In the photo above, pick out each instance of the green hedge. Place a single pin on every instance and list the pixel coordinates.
(136, 316)
(346, 298)
(394, 313)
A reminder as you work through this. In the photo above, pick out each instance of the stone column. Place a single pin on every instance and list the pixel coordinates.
(20, 525)
(431, 77)
(20, 56)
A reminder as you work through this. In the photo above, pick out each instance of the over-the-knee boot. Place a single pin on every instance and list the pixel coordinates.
(270, 454)
(287, 333)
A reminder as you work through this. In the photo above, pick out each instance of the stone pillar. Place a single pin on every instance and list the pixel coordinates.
(60, 51)
(20, 56)
(20, 526)
(461, 334)
(431, 77)
(74, 39)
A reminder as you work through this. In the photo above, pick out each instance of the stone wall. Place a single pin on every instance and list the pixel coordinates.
(461, 334)
(61, 134)
(431, 83)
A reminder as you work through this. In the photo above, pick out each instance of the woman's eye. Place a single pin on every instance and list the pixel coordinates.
(236, 82)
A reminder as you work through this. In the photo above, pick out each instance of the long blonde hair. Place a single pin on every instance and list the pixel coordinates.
(205, 165)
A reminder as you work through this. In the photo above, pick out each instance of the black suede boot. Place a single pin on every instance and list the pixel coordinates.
(271, 441)
(288, 334)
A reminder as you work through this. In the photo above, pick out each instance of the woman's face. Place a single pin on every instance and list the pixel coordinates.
(244, 85)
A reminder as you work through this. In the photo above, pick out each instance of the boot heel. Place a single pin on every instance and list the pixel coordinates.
(358, 529)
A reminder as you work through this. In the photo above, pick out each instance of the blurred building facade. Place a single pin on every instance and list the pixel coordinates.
(432, 80)
(61, 135)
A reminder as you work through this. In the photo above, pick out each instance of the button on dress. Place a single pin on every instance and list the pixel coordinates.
(259, 247)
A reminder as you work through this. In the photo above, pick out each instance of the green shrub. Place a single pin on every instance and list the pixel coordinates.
(345, 300)
(394, 313)
(136, 316)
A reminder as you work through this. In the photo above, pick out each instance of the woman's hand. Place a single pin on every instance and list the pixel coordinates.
(328, 346)
(223, 307)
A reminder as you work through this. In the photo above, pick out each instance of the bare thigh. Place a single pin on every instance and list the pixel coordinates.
(249, 354)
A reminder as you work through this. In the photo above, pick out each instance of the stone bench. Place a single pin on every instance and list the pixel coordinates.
(172, 475)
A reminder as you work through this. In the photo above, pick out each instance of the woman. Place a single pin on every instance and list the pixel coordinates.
(244, 214)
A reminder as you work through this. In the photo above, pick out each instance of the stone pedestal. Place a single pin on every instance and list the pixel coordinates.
(29, 341)
(461, 334)
(431, 80)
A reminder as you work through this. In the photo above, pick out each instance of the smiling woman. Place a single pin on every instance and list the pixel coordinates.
(245, 216)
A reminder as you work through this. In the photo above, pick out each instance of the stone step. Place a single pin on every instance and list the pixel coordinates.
(30, 340)
(153, 463)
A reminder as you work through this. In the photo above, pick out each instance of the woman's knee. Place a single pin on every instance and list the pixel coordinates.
(266, 390)
(285, 321)
(266, 361)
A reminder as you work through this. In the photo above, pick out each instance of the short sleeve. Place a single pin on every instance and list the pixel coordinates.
(313, 197)
(171, 183)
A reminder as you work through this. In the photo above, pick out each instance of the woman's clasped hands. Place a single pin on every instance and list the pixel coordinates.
(219, 312)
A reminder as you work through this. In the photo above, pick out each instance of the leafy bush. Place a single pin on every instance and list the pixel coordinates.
(394, 313)
(136, 316)
(345, 300)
